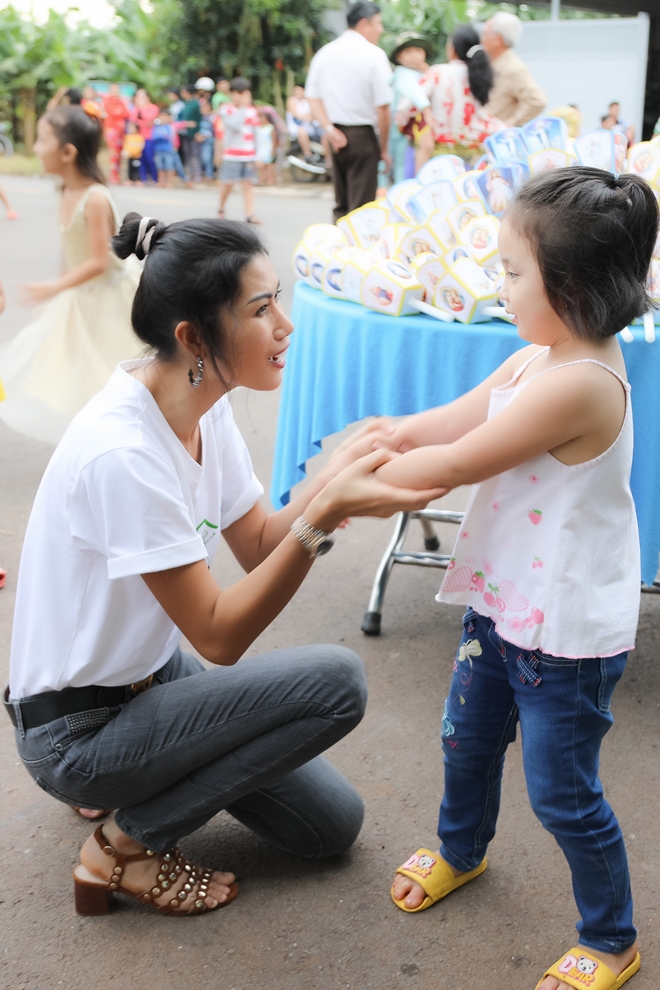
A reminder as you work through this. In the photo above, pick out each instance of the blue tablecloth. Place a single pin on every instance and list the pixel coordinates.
(346, 362)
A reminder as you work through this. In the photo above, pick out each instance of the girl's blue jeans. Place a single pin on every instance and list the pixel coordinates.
(563, 707)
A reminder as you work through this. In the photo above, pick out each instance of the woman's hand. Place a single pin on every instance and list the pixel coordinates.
(374, 434)
(356, 491)
(39, 292)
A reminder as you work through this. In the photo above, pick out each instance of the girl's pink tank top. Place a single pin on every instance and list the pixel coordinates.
(550, 551)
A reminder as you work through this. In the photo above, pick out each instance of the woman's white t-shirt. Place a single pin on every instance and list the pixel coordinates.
(121, 497)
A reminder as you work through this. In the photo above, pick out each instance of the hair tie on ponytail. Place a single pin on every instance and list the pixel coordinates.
(471, 51)
(143, 242)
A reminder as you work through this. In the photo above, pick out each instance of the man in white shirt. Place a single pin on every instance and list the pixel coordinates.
(349, 91)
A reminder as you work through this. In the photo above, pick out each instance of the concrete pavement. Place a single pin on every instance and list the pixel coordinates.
(316, 925)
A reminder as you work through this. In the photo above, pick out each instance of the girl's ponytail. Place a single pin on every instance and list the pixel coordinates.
(480, 73)
(638, 203)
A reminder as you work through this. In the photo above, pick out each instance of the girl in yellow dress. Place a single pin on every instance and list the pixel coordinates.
(58, 362)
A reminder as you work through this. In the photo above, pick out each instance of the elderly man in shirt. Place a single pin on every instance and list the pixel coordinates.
(515, 97)
(348, 88)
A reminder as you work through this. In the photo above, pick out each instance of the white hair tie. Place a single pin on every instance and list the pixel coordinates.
(144, 236)
(475, 48)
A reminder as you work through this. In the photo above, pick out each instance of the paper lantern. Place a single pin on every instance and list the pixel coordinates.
(362, 227)
(318, 232)
(333, 273)
(438, 195)
(463, 212)
(480, 236)
(441, 167)
(391, 238)
(465, 291)
(467, 186)
(429, 269)
(389, 287)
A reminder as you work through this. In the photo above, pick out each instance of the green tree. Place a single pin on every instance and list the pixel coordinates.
(269, 41)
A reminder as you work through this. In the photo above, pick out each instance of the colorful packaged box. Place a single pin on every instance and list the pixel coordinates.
(437, 222)
(301, 259)
(391, 237)
(389, 288)
(441, 167)
(549, 158)
(317, 232)
(438, 195)
(498, 185)
(333, 273)
(398, 196)
(356, 269)
(644, 160)
(429, 269)
(463, 212)
(362, 227)
(480, 235)
(467, 187)
(465, 291)
(545, 132)
(507, 145)
(421, 240)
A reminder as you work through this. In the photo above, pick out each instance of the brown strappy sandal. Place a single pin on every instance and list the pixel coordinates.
(93, 895)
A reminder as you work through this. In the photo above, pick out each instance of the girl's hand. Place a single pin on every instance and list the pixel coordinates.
(356, 491)
(39, 292)
(363, 441)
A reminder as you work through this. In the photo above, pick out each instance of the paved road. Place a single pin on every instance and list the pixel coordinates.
(313, 925)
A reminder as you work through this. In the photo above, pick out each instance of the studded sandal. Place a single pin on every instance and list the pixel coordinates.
(93, 895)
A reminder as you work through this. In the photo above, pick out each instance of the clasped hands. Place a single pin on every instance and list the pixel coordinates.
(350, 477)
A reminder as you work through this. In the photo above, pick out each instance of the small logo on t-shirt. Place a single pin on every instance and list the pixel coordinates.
(207, 530)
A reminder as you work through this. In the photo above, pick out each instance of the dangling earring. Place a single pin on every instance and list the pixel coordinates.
(196, 381)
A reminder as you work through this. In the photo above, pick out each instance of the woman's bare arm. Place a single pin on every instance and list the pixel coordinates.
(221, 625)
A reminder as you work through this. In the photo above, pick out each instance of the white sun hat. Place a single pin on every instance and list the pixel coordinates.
(205, 83)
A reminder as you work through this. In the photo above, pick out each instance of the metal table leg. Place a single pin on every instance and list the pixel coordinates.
(394, 554)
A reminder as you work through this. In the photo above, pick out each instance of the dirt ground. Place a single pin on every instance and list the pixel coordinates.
(319, 925)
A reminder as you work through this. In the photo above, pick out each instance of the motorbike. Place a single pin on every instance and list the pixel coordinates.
(6, 147)
(311, 169)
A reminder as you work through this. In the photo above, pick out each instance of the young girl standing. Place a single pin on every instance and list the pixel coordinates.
(55, 364)
(547, 556)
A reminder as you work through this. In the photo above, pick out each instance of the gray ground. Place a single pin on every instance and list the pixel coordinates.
(303, 925)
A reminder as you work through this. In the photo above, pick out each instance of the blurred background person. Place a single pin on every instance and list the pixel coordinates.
(143, 114)
(11, 213)
(457, 122)
(206, 141)
(266, 149)
(192, 158)
(132, 148)
(65, 95)
(410, 62)
(621, 125)
(221, 94)
(515, 97)
(301, 124)
(348, 87)
(116, 114)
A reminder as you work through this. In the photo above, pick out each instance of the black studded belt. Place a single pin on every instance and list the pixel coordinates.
(42, 708)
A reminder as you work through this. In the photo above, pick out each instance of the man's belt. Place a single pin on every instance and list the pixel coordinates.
(42, 708)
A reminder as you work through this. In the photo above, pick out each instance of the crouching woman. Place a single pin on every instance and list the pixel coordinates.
(109, 712)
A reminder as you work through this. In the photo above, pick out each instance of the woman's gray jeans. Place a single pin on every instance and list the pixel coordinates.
(245, 739)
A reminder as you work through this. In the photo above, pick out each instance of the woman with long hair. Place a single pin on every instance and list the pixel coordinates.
(456, 122)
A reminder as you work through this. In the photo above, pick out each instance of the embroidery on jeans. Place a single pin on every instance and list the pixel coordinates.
(527, 669)
(447, 724)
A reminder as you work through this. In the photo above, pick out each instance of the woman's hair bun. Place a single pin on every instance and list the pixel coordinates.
(137, 236)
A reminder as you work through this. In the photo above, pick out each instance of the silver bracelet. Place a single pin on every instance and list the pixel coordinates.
(315, 542)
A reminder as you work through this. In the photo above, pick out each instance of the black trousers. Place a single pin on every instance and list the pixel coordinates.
(355, 169)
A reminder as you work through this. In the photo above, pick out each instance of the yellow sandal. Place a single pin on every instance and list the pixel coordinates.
(584, 971)
(434, 875)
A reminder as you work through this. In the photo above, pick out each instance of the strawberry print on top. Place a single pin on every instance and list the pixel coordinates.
(537, 559)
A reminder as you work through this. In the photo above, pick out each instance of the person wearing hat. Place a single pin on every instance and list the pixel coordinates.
(410, 60)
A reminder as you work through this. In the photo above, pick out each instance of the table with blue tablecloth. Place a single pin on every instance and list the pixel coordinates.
(347, 362)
